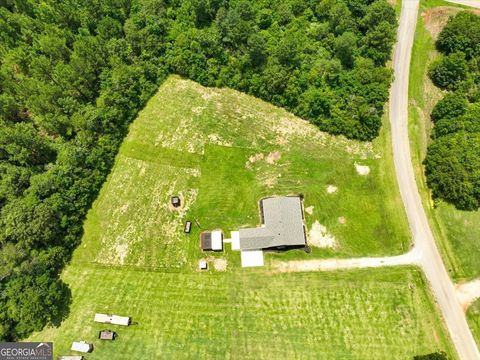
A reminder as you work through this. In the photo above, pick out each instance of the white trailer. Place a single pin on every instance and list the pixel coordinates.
(81, 346)
(112, 319)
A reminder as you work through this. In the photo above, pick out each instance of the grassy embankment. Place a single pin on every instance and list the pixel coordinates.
(458, 232)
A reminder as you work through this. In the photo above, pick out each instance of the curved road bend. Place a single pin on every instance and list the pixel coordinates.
(429, 257)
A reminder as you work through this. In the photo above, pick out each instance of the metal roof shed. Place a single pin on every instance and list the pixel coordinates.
(217, 240)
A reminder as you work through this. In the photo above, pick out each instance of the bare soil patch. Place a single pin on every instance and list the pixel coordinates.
(121, 252)
(436, 18)
(273, 157)
(468, 292)
(309, 210)
(220, 264)
(362, 170)
(320, 237)
(332, 189)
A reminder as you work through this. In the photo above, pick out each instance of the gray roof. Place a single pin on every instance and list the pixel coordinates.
(282, 225)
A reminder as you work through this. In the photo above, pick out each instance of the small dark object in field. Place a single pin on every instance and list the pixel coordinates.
(107, 335)
(188, 227)
(175, 201)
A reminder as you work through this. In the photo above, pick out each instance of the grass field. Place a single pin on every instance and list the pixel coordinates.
(473, 316)
(221, 151)
(457, 231)
(383, 314)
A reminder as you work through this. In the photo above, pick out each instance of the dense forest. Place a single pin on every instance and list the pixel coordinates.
(452, 163)
(73, 75)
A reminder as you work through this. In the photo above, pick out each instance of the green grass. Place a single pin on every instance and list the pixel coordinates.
(456, 231)
(200, 143)
(473, 317)
(197, 142)
(342, 315)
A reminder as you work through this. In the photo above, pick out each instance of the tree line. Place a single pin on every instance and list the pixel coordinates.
(74, 74)
(452, 164)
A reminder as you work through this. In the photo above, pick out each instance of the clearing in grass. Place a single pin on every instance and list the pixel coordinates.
(222, 151)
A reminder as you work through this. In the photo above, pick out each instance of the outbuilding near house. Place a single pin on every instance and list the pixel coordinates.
(211, 240)
(175, 201)
(107, 335)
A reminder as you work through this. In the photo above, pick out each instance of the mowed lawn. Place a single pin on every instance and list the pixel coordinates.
(222, 151)
(473, 317)
(458, 232)
(380, 314)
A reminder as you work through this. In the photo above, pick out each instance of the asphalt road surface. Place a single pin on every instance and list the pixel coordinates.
(425, 246)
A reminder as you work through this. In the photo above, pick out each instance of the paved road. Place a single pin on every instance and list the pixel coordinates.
(430, 259)
(472, 3)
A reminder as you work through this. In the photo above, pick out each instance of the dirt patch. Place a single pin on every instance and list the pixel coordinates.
(220, 264)
(309, 210)
(362, 170)
(289, 127)
(198, 110)
(467, 293)
(320, 237)
(121, 252)
(436, 18)
(392, 2)
(342, 220)
(332, 189)
(217, 140)
(273, 157)
(271, 180)
(253, 159)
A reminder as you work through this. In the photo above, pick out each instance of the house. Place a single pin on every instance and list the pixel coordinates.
(211, 240)
(82, 346)
(282, 226)
(112, 319)
(107, 335)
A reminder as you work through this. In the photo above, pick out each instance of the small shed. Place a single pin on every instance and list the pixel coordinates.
(211, 240)
(112, 319)
(203, 265)
(175, 200)
(82, 346)
(107, 335)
